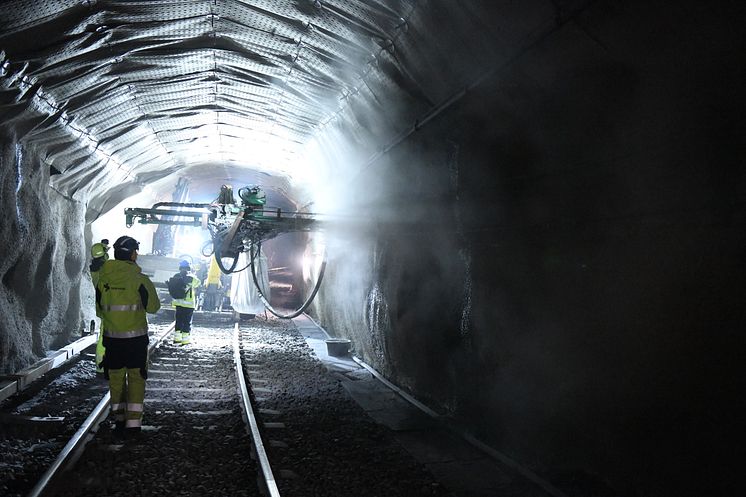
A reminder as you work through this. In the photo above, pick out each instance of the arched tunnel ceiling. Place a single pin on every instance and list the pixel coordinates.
(123, 92)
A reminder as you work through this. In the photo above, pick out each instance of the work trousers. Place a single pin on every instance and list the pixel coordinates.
(183, 316)
(126, 367)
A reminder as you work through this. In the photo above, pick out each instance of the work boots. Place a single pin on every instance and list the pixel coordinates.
(133, 432)
(185, 338)
(177, 337)
(118, 430)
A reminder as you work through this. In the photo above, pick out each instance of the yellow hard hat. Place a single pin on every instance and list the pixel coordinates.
(98, 250)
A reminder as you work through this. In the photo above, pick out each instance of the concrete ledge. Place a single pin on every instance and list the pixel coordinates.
(78, 346)
(11, 384)
(58, 358)
(34, 372)
(8, 388)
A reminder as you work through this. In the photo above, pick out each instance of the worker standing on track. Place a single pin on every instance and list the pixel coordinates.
(183, 301)
(213, 287)
(123, 296)
(99, 255)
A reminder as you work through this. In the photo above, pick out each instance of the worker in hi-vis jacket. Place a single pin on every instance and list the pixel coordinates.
(184, 303)
(123, 296)
(99, 255)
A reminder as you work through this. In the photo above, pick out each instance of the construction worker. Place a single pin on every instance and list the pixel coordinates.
(213, 287)
(99, 255)
(183, 303)
(123, 296)
(226, 195)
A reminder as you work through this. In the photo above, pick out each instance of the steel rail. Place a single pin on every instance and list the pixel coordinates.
(525, 472)
(74, 447)
(253, 425)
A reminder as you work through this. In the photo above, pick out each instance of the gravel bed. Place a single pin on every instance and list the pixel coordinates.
(194, 441)
(27, 449)
(329, 446)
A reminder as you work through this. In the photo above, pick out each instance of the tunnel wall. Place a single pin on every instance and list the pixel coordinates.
(46, 298)
(554, 256)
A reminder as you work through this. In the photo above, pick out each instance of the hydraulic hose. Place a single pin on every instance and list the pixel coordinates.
(217, 242)
(265, 301)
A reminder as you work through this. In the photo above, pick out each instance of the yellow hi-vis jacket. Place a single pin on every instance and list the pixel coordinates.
(123, 296)
(213, 273)
(188, 300)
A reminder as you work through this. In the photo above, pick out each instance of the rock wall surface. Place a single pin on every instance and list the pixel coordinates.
(46, 298)
(553, 253)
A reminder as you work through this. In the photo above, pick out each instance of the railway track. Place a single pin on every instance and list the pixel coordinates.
(194, 440)
(36, 423)
(200, 420)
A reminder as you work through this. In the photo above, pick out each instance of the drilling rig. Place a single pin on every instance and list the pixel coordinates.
(235, 227)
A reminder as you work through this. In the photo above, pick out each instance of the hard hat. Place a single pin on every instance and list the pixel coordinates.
(126, 244)
(98, 250)
(184, 264)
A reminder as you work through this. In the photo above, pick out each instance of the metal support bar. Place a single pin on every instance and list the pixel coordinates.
(11, 384)
(148, 216)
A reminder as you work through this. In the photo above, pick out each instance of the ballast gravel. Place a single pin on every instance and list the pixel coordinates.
(194, 442)
(328, 446)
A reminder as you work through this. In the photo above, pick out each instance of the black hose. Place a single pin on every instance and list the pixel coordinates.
(266, 302)
(216, 243)
(245, 267)
(207, 244)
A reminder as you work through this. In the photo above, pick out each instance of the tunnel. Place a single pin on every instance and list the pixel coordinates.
(535, 210)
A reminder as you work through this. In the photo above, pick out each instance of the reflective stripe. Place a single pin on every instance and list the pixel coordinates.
(117, 407)
(134, 407)
(132, 307)
(133, 423)
(125, 334)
